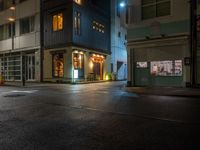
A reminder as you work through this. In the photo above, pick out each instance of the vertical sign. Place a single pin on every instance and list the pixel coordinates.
(75, 74)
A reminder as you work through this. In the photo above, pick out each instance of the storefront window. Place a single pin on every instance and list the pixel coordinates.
(166, 68)
(58, 65)
(10, 67)
(78, 61)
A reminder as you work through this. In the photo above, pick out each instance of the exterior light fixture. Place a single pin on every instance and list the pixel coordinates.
(12, 8)
(107, 77)
(11, 19)
(91, 65)
(122, 4)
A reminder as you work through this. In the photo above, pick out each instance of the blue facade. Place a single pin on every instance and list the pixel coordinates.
(88, 37)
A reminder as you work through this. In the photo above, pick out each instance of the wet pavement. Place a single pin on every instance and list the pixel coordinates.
(97, 116)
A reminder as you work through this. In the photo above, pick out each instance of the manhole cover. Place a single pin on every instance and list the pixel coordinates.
(14, 95)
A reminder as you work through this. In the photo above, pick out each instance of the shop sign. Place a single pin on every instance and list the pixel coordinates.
(75, 74)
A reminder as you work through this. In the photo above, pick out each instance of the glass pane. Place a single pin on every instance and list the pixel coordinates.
(32, 24)
(58, 63)
(1, 32)
(145, 2)
(163, 9)
(148, 12)
(55, 23)
(60, 21)
(24, 26)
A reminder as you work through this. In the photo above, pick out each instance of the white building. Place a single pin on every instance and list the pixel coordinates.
(118, 40)
(159, 43)
(20, 39)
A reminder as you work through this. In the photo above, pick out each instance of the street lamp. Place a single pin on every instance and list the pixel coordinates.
(122, 4)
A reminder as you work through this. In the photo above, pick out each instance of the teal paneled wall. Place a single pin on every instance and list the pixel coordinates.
(165, 28)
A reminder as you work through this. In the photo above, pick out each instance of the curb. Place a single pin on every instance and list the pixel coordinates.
(163, 94)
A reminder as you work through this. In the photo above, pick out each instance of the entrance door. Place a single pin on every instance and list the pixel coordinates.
(142, 74)
(98, 71)
(30, 67)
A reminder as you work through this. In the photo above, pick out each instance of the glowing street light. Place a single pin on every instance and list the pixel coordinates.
(122, 4)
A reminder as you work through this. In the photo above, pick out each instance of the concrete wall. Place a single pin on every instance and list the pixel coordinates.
(143, 37)
(25, 41)
(175, 23)
(179, 11)
(118, 44)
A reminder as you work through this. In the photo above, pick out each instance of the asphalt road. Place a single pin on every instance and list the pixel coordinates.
(97, 116)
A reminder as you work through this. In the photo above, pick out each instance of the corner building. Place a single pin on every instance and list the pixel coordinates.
(76, 40)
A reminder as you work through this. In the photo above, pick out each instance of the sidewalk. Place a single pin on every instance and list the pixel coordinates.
(36, 84)
(165, 91)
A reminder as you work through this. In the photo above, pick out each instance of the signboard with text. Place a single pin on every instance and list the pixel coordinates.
(75, 74)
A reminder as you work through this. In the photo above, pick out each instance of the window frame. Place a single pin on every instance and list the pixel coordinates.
(6, 30)
(53, 65)
(155, 4)
(56, 28)
(77, 22)
(31, 21)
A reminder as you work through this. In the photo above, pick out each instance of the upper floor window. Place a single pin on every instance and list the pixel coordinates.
(155, 8)
(4, 4)
(7, 30)
(77, 23)
(22, 0)
(78, 1)
(58, 22)
(27, 25)
(1, 5)
(98, 26)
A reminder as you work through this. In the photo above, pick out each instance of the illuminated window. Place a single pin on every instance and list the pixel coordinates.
(78, 61)
(77, 23)
(78, 1)
(58, 65)
(98, 27)
(58, 22)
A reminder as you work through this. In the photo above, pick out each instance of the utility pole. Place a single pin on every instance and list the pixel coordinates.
(193, 42)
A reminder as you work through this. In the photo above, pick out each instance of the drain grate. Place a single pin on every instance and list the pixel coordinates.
(14, 95)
